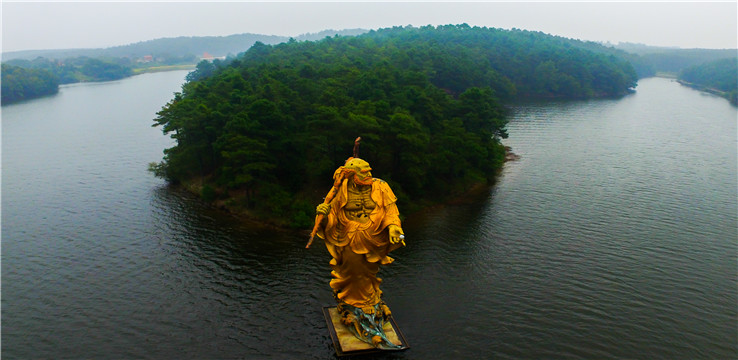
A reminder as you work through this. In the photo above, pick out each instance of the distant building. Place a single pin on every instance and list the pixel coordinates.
(145, 59)
(207, 57)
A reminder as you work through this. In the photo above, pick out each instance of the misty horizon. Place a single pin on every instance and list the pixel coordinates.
(31, 26)
(606, 43)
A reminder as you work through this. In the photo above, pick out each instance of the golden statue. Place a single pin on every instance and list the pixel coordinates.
(360, 225)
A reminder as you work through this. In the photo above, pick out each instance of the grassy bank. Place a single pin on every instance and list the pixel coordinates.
(667, 75)
(138, 71)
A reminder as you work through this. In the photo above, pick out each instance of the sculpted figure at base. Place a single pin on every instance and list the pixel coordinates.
(360, 225)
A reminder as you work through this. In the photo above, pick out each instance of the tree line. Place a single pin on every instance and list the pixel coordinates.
(264, 132)
(28, 79)
(21, 84)
(721, 75)
(183, 46)
(79, 69)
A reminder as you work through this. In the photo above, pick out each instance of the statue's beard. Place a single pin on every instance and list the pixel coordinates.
(367, 180)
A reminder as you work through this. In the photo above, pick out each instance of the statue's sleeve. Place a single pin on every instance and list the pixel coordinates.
(389, 202)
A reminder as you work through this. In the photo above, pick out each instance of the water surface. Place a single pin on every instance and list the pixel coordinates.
(614, 236)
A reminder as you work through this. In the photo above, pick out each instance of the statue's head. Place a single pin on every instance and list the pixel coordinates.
(362, 172)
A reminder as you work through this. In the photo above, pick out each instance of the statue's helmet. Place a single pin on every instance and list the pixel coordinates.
(361, 169)
(358, 165)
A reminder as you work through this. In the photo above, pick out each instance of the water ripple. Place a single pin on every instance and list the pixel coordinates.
(612, 237)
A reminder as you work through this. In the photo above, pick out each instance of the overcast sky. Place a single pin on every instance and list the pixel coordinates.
(59, 25)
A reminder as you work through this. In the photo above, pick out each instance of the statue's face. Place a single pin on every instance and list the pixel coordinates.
(363, 175)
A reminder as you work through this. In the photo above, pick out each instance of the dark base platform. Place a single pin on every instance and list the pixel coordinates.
(347, 344)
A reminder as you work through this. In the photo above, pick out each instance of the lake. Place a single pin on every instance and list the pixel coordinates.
(613, 236)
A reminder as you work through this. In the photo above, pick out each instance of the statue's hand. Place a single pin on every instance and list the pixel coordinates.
(323, 209)
(394, 234)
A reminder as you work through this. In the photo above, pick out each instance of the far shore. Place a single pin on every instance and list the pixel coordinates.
(226, 205)
(137, 71)
(703, 88)
(666, 75)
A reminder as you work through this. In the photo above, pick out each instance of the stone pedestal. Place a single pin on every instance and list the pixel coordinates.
(347, 344)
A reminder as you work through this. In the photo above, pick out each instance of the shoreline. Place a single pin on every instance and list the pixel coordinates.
(703, 88)
(152, 69)
(472, 193)
(727, 95)
(136, 71)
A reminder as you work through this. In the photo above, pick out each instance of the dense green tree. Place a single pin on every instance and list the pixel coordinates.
(21, 84)
(720, 75)
(99, 70)
(204, 69)
(72, 70)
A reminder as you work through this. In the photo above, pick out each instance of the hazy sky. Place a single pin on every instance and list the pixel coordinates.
(56, 25)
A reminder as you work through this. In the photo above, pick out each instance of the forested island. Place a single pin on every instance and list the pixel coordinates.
(719, 77)
(262, 133)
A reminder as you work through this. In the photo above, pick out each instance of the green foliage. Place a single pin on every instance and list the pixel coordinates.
(720, 74)
(303, 213)
(79, 69)
(208, 193)
(158, 169)
(204, 69)
(20, 84)
(273, 124)
(103, 71)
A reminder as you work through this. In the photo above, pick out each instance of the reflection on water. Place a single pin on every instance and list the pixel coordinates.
(612, 237)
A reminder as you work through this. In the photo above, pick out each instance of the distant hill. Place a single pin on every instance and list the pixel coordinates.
(654, 59)
(642, 49)
(68, 66)
(179, 46)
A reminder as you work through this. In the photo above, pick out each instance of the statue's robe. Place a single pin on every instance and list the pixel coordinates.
(357, 248)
